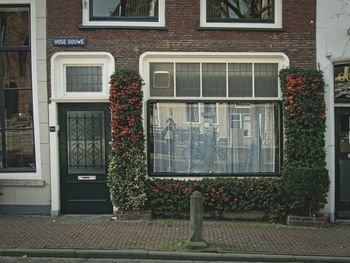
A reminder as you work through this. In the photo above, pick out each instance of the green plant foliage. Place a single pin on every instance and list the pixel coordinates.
(127, 165)
(306, 189)
(219, 195)
(126, 180)
(304, 116)
(305, 177)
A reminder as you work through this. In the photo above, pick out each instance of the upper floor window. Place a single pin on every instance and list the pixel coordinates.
(241, 13)
(124, 13)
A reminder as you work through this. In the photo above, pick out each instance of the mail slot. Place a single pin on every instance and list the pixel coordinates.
(87, 177)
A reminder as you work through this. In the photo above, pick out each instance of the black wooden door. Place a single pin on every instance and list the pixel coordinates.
(83, 143)
(342, 128)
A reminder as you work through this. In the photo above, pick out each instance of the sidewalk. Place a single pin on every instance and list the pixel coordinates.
(96, 234)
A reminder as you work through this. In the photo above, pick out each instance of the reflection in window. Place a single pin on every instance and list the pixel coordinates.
(192, 112)
(16, 113)
(244, 139)
(248, 10)
(118, 9)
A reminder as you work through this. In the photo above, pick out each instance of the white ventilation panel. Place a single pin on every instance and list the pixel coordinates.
(161, 79)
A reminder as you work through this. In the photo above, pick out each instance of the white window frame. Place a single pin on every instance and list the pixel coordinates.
(62, 60)
(206, 57)
(108, 23)
(277, 24)
(202, 57)
(37, 175)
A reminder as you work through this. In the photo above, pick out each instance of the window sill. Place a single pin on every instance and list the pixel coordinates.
(21, 182)
(160, 28)
(278, 30)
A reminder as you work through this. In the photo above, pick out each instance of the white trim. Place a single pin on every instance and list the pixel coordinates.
(211, 57)
(58, 61)
(108, 23)
(193, 57)
(61, 60)
(277, 24)
(37, 175)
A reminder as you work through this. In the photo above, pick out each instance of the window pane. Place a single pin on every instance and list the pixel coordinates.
(192, 112)
(187, 80)
(84, 79)
(249, 10)
(14, 26)
(162, 79)
(214, 79)
(124, 8)
(266, 80)
(243, 139)
(86, 142)
(18, 109)
(209, 114)
(240, 80)
(20, 149)
(15, 70)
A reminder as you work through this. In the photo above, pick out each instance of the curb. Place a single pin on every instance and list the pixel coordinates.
(165, 255)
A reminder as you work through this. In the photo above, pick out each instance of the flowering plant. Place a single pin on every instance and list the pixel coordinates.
(305, 177)
(304, 116)
(127, 166)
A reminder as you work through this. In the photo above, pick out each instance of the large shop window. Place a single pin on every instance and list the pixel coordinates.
(123, 12)
(237, 13)
(16, 108)
(213, 119)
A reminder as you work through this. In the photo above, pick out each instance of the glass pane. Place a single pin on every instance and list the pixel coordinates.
(266, 80)
(192, 112)
(249, 10)
(209, 114)
(84, 78)
(86, 142)
(20, 149)
(14, 26)
(15, 70)
(18, 109)
(241, 138)
(1, 151)
(162, 79)
(124, 8)
(240, 80)
(344, 160)
(214, 79)
(253, 138)
(187, 79)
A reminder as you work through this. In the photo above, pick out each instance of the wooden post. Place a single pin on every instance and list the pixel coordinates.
(196, 220)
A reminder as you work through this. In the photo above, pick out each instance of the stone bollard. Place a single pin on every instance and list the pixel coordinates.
(196, 220)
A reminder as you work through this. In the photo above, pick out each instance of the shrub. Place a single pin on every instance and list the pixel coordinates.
(127, 166)
(219, 195)
(304, 116)
(305, 177)
(306, 189)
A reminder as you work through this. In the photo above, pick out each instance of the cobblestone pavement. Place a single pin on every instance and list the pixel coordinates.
(100, 232)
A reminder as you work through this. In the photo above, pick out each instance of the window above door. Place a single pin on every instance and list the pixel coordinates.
(241, 14)
(124, 13)
(81, 76)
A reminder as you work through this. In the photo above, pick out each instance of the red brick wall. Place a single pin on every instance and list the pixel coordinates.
(297, 40)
